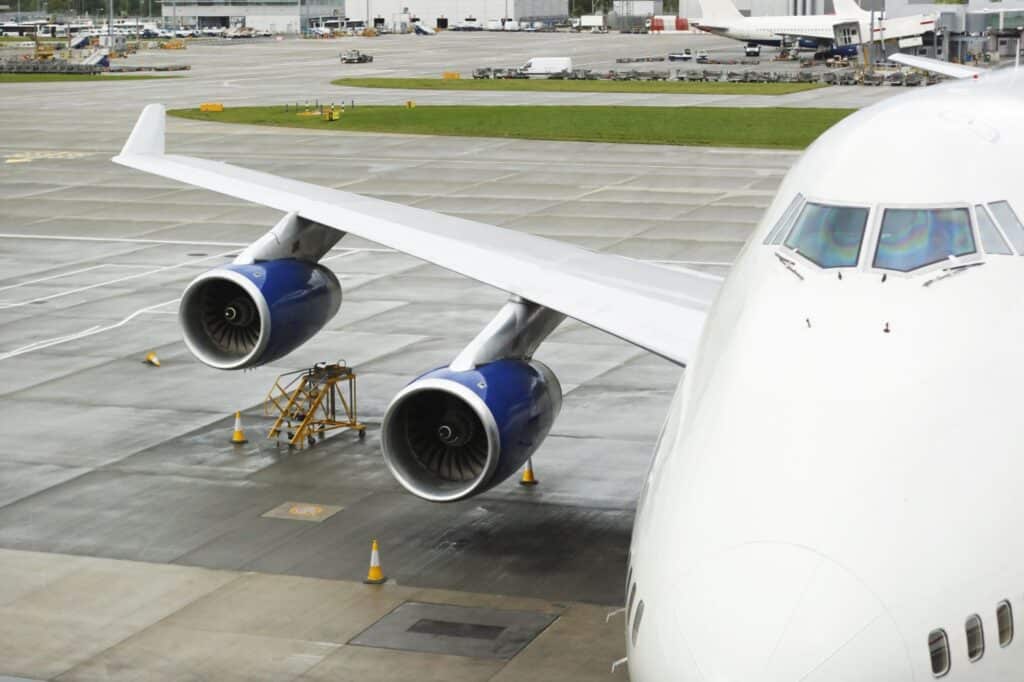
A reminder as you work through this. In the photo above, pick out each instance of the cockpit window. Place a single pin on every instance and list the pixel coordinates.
(913, 238)
(779, 231)
(829, 236)
(991, 238)
(1010, 223)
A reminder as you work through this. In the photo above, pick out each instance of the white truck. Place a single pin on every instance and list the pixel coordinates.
(546, 66)
(594, 22)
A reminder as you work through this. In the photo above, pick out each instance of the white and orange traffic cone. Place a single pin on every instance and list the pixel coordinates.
(375, 576)
(151, 359)
(238, 437)
(528, 477)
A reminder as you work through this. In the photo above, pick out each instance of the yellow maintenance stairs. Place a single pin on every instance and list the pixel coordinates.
(306, 404)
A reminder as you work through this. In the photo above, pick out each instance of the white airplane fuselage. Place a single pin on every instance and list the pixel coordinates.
(770, 30)
(839, 473)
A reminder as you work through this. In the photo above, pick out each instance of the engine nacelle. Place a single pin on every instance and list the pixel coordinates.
(452, 434)
(239, 316)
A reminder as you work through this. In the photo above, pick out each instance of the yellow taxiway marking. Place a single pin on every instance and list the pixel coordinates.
(28, 157)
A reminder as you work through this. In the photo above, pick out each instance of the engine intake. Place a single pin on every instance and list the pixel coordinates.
(240, 316)
(453, 434)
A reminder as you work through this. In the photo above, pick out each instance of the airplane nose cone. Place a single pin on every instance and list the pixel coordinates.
(769, 612)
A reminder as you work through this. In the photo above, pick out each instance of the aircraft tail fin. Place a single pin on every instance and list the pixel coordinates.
(148, 134)
(717, 10)
(848, 8)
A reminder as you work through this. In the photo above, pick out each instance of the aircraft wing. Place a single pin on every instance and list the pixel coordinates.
(654, 307)
(937, 66)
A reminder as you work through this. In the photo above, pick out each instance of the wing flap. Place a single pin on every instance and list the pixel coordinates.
(656, 308)
(936, 66)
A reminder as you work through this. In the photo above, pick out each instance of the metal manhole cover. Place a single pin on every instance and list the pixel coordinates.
(455, 630)
(448, 628)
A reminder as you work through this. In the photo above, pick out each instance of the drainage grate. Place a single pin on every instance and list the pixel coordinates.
(455, 630)
(448, 628)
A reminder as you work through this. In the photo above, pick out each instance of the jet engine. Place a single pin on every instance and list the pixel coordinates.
(452, 434)
(244, 315)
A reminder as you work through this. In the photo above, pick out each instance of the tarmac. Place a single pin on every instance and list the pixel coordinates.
(135, 541)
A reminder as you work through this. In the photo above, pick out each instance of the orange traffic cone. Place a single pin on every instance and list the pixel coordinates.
(238, 437)
(375, 576)
(528, 477)
(151, 359)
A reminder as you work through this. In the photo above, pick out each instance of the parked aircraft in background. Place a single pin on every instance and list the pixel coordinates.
(812, 30)
(835, 492)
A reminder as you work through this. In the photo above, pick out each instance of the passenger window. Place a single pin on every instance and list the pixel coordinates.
(914, 238)
(636, 621)
(779, 231)
(1004, 617)
(975, 638)
(938, 648)
(991, 238)
(829, 236)
(1010, 223)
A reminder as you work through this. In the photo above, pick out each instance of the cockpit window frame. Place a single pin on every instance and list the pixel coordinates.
(831, 203)
(875, 234)
(784, 224)
(980, 210)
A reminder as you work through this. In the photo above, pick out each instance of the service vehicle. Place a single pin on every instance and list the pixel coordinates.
(355, 57)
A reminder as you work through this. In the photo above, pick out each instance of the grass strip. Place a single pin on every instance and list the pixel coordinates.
(772, 128)
(54, 77)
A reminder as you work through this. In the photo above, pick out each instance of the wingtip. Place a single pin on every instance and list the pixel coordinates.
(148, 134)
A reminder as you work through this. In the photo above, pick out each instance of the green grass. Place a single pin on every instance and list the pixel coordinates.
(776, 128)
(28, 39)
(522, 85)
(51, 77)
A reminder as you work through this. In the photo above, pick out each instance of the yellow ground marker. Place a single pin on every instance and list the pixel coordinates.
(151, 359)
(238, 437)
(528, 477)
(375, 576)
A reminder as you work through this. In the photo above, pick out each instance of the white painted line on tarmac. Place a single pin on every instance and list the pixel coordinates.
(76, 290)
(179, 242)
(70, 272)
(120, 240)
(715, 263)
(96, 329)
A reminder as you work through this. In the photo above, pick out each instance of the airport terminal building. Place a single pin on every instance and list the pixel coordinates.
(393, 12)
(285, 16)
(277, 16)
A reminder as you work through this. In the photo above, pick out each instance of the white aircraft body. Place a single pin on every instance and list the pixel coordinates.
(833, 496)
(722, 18)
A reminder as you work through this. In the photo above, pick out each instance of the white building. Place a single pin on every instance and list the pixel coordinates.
(637, 8)
(278, 16)
(394, 12)
(1011, 10)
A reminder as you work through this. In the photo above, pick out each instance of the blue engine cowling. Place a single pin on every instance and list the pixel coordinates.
(451, 435)
(239, 316)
